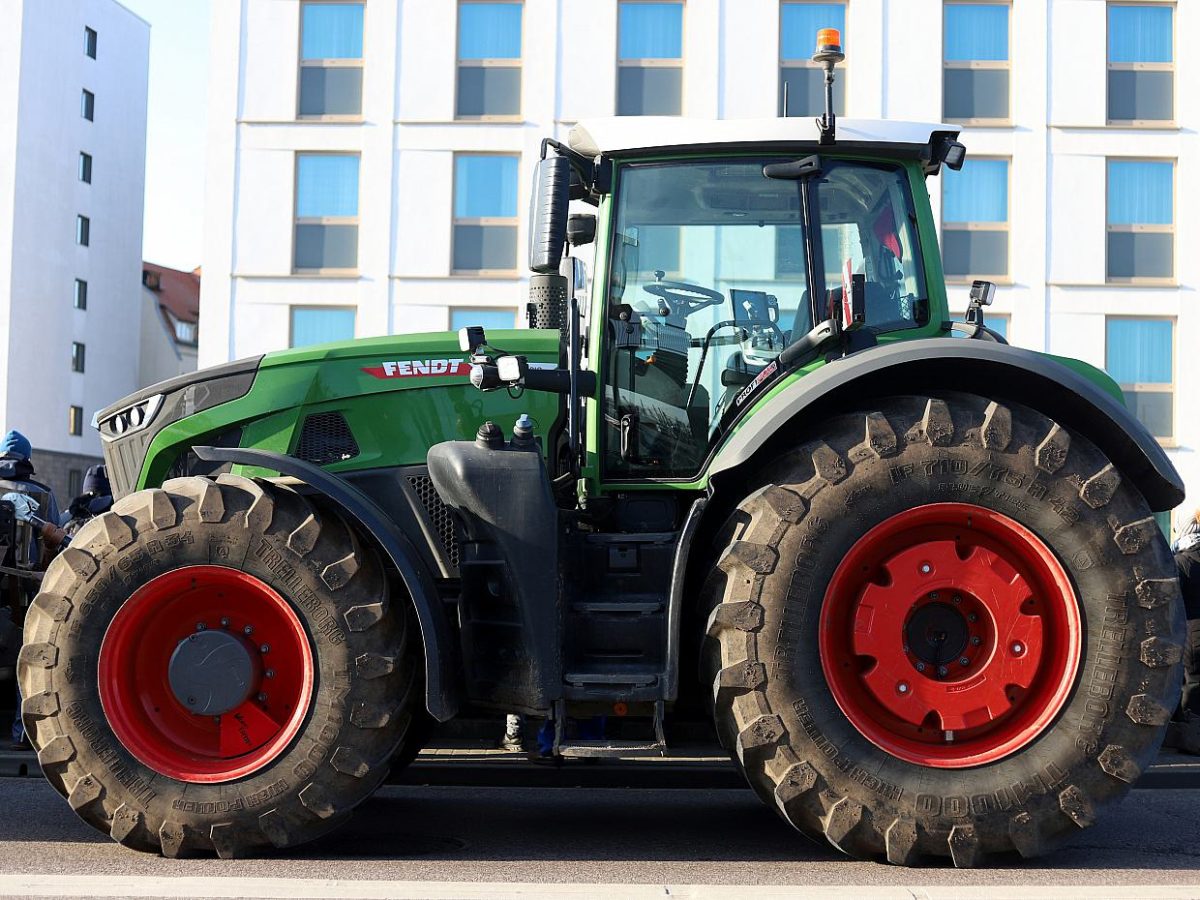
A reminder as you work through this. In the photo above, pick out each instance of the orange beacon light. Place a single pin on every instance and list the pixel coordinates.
(829, 46)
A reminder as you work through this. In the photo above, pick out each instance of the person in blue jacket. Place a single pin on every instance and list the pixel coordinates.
(16, 467)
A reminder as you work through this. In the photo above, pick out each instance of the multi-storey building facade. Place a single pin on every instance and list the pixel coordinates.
(73, 82)
(369, 161)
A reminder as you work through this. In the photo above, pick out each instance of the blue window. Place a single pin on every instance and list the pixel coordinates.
(1141, 231)
(1140, 34)
(485, 187)
(326, 185)
(649, 59)
(651, 31)
(1141, 69)
(1139, 355)
(799, 24)
(331, 48)
(975, 74)
(976, 32)
(801, 81)
(485, 213)
(975, 220)
(326, 211)
(976, 193)
(490, 319)
(489, 30)
(489, 60)
(332, 31)
(321, 325)
(1140, 192)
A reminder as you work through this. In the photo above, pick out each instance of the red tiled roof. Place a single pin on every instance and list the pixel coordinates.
(178, 292)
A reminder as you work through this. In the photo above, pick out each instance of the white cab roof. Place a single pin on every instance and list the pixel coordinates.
(617, 134)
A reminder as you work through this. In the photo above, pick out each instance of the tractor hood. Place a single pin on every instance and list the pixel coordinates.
(263, 402)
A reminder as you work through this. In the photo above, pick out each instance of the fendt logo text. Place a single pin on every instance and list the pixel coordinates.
(419, 368)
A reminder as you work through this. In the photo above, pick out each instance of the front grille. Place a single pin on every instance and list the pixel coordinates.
(326, 438)
(440, 515)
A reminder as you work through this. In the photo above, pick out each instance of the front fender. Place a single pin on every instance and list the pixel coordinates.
(989, 369)
(441, 693)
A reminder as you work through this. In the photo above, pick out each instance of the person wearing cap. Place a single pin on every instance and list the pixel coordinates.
(94, 499)
(16, 467)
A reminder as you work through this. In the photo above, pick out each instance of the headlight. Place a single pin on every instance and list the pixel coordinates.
(128, 420)
(129, 426)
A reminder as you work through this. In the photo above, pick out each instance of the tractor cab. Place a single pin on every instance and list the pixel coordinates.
(728, 255)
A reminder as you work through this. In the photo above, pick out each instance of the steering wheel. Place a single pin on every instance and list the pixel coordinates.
(680, 297)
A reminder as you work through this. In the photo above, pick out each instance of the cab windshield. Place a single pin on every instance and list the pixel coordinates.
(710, 282)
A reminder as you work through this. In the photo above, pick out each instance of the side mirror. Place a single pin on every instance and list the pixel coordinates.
(548, 213)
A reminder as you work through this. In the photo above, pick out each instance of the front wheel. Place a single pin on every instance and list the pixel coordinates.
(217, 666)
(945, 628)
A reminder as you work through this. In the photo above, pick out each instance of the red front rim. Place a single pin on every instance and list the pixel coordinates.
(950, 635)
(155, 719)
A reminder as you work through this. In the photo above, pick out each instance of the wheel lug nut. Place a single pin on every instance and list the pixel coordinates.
(976, 641)
(956, 599)
(224, 623)
(926, 568)
(934, 595)
(200, 626)
(1018, 648)
(963, 661)
(216, 720)
(248, 630)
(262, 698)
(902, 687)
(191, 701)
(972, 617)
(942, 670)
(265, 648)
(920, 667)
(270, 673)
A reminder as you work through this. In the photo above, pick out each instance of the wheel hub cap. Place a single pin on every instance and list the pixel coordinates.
(212, 673)
(950, 635)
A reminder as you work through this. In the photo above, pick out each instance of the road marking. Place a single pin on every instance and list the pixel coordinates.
(38, 885)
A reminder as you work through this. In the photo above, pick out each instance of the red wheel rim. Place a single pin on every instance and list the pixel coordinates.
(150, 634)
(950, 635)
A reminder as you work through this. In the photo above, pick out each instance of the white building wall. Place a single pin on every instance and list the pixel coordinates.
(1057, 143)
(44, 70)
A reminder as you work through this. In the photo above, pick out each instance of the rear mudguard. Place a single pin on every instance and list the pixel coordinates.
(989, 369)
(441, 686)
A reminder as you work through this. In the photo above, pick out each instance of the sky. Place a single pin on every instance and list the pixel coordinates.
(172, 231)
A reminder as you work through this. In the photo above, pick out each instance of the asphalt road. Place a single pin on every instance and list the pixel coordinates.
(614, 843)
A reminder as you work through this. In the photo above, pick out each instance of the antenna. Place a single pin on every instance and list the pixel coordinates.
(828, 54)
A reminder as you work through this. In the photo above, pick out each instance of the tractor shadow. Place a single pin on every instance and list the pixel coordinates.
(645, 826)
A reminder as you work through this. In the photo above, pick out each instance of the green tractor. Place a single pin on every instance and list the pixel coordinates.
(757, 477)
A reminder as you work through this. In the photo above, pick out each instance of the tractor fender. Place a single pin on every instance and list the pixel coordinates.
(441, 694)
(993, 370)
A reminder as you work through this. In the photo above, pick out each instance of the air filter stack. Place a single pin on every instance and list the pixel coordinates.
(547, 307)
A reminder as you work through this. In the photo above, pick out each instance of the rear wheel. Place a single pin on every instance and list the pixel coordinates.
(948, 628)
(217, 666)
